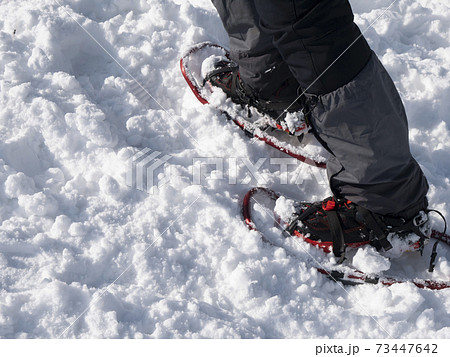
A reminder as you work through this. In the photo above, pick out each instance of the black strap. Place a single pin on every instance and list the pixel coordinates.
(378, 227)
(244, 93)
(433, 258)
(219, 70)
(337, 235)
(310, 210)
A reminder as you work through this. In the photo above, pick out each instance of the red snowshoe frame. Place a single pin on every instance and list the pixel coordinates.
(355, 277)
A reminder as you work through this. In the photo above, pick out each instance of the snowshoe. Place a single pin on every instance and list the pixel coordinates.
(268, 213)
(207, 69)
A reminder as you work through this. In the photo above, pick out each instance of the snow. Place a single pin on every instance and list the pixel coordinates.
(368, 260)
(83, 254)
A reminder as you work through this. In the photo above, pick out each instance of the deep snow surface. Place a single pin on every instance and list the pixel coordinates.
(83, 254)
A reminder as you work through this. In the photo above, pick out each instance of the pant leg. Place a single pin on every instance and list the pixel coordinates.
(260, 64)
(359, 115)
(364, 125)
(313, 34)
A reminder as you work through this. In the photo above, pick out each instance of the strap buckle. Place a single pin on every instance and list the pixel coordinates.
(420, 219)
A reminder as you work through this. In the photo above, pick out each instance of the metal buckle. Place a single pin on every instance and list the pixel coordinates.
(420, 219)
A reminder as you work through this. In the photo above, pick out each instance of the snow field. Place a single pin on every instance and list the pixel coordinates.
(74, 237)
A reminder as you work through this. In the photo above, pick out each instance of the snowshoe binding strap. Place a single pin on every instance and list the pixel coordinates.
(377, 226)
(337, 234)
(226, 76)
(383, 225)
(413, 225)
(338, 237)
(434, 250)
(300, 217)
(433, 257)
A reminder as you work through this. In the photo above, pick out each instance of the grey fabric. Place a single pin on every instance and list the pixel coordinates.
(260, 64)
(361, 119)
(364, 125)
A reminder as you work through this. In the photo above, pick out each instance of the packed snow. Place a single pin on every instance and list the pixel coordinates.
(85, 253)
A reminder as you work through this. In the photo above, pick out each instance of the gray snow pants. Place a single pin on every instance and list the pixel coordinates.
(356, 111)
